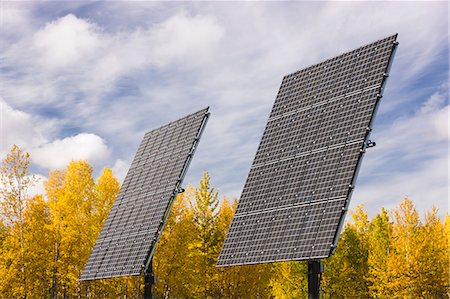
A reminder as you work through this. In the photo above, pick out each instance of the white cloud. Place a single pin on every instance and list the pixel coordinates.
(14, 19)
(175, 41)
(21, 128)
(59, 153)
(440, 122)
(416, 133)
(120, 169)
(72, 55)
(434, 102)
(426, 186)
(133, 66)
(35, 135)
(38, 187)
(183, 38)
(410, 159)
(65, 42)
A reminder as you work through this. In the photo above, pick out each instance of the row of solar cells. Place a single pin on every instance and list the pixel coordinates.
(333, 78)
(293, 233)
(313, 177)
(117, 257)
(333, 123)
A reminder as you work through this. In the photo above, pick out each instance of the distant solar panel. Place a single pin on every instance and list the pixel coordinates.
(129, 235)
(299, 186)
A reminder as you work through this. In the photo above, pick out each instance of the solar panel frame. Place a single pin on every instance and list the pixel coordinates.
(366, 139)
(138, 215)
(310, 194)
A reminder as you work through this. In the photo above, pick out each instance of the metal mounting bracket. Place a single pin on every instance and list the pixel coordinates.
(370, 143)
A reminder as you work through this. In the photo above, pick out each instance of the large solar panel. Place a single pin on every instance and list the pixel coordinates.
(297, 192)
(128, 238)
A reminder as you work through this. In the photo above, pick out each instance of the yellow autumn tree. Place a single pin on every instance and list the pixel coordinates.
(380, 243)
(248, 281)
(45, 243)
(172, 262)
(418, 264)
(104, 193)
(78, 208)
(447, 232)
(53, 190)
(189, 246)
(432, 279)
(106, 189)
(290, 280)
(72, 213)
(3, 264)
(402, 267)
(207, 238)
(37, 247)
(14, 183)
(12, 280)
(345, 271)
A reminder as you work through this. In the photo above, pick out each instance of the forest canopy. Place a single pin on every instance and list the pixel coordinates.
(45, 241)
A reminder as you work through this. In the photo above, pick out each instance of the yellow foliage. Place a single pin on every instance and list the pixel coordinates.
(432, 258)
(14, 183)
(290, 281)
(78, 208)
(380, 240)
(402, 266)
(45, 243)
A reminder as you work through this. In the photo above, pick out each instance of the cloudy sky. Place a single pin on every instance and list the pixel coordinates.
(85, 80)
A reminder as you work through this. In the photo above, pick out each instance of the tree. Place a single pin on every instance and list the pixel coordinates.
(11, 280)
(53, 190)
(74, 206)
(172, 262)
(45, 243)
(432, 279)
(402, 264)
(37, 247)
(14, 183)
(346, 269)
(78, 208)
(290, 280)
(225, 216)
(380, 239)
(187, 251)
(106, 190)
(249, 281)
(207, 241)
(103, 195)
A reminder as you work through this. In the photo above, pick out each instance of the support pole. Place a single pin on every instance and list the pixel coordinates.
(149, 280)
(315, 270)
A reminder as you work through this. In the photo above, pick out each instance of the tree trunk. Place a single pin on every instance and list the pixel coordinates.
(54, 288)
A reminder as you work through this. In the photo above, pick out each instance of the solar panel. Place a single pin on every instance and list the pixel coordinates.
(298, 189)
(136, 219)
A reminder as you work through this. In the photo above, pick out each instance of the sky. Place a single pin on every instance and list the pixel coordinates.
(86, 80)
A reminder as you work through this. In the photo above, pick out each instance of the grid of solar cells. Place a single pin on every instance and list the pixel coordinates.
(136, 217)
(301, 179)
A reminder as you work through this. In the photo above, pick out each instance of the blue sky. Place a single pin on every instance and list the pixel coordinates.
(85, 80)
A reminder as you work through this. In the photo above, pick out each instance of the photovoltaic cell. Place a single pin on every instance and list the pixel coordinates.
(130, 232)
(298, 188)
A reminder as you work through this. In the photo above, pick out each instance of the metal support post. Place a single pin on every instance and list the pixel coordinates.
(315, 270)
(149, 280)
